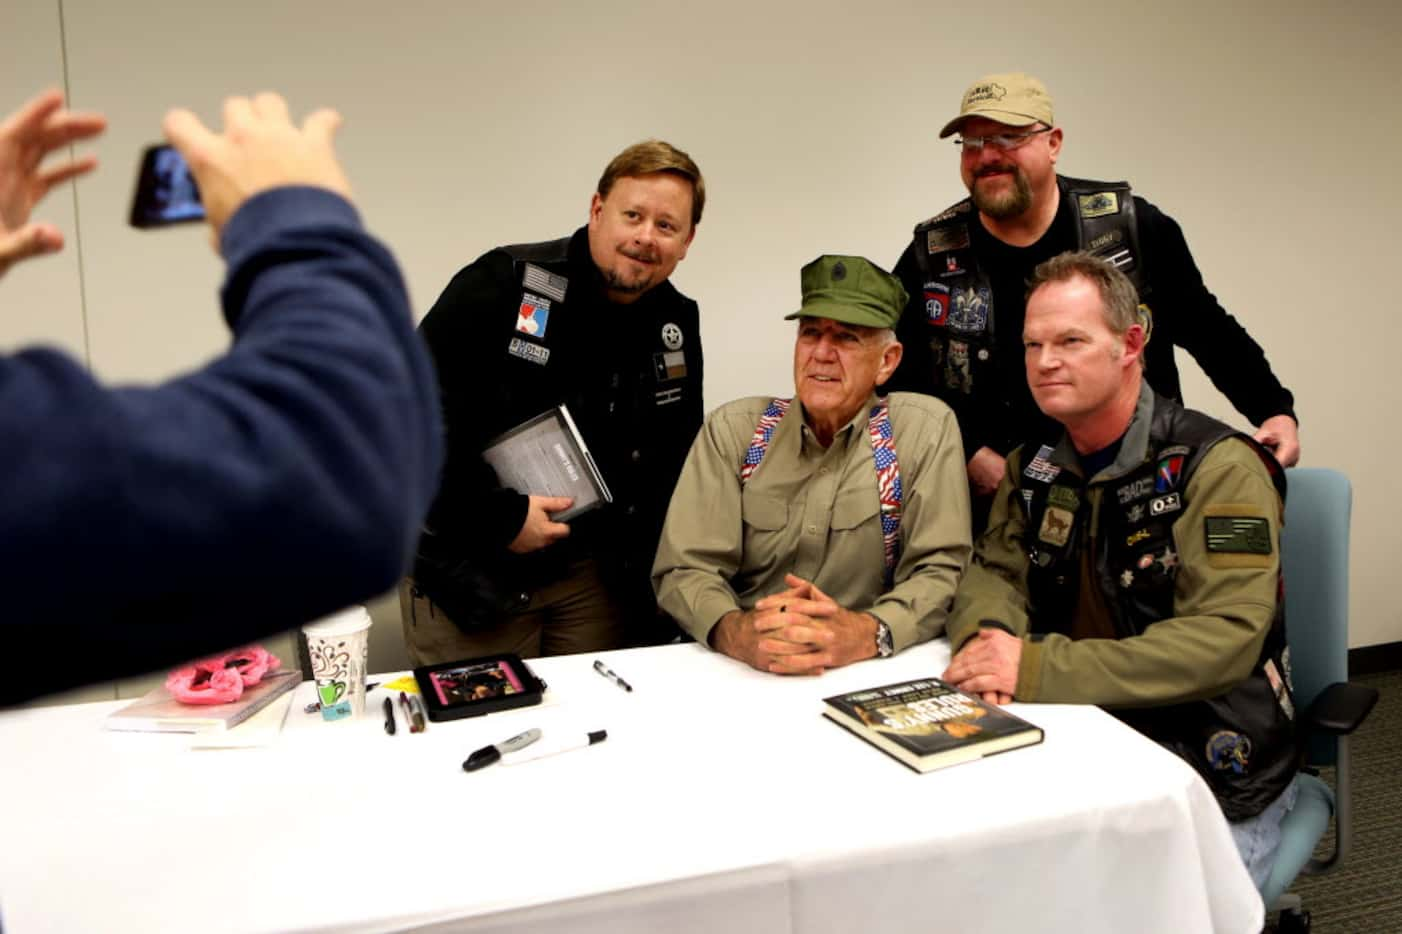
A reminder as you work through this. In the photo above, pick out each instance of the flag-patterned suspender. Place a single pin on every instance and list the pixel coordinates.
(883, 453)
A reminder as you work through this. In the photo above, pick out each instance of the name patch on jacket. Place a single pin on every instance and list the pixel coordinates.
(528, 351)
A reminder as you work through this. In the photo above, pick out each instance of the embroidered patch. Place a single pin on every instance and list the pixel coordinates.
(1105, 241)
(946, 238)
(1100, 204)
(669, 366)
(1160, 505)
(956, 368)
(1135, 489)
(1146, 562)
(535, 312)
(671, 336)
(1056, 526)
(1238, 534)
(528, 351)
(1039, 468)
(1065, 497)
(1127, 579)
(1134, 538)
(1282, 696)
(1229, 751)
(1135, 513)
(545, 282)
(969, 310)
(952, 266)
(1169, 559)
(961, 208)
(668, 396)
(1166, 477)
(937, 303)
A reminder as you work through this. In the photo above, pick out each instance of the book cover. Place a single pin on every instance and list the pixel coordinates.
(929, 725)
(547, 456)
(159, 712)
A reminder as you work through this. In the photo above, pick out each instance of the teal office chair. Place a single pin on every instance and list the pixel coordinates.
(1314, 553)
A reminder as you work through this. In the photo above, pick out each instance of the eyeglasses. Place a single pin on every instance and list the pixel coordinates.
(1003, 142)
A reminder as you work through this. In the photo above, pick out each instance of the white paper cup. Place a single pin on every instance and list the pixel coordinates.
(338, 645)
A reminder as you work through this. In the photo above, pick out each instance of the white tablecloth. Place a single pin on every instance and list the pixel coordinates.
(721, 801)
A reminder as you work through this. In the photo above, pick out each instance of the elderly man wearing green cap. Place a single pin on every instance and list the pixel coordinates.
(966, 270)
(812, 532)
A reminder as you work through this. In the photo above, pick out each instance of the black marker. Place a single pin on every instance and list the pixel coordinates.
(489, 754)
(389, 716)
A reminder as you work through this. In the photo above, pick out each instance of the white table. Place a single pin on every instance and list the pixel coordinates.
(721, 801)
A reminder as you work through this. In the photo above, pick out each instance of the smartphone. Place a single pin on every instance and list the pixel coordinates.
(166, 192)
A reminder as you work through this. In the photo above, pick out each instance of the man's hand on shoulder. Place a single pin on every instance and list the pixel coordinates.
(987, 666)
(539, 530)
(1281, 436)
(986, 469)
(259, 149)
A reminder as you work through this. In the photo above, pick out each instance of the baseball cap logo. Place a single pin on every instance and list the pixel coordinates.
(982, 93)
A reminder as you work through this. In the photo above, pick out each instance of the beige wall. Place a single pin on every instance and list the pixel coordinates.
(1264, 128)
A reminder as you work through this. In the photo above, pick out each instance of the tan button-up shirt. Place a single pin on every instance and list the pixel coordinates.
(815, 512)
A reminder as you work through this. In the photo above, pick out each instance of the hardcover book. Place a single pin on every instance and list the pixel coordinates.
(929, 725)
(547, 456)
(159, 712)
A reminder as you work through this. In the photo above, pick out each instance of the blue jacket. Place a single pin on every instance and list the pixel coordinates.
(140, 527)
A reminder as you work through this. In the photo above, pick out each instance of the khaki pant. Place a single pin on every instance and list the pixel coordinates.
(573, 614)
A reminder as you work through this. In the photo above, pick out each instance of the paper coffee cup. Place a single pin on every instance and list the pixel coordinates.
(338, 646)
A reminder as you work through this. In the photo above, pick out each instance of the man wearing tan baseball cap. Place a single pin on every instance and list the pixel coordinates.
(966, 268)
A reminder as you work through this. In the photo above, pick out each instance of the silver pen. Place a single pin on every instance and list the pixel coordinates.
(608, 672)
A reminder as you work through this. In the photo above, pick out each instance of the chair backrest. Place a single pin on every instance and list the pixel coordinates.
(1314, 554)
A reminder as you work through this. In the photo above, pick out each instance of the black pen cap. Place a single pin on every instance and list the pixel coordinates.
(481, 758)
(598, 736)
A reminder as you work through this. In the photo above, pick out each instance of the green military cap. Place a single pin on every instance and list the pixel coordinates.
(852, 290)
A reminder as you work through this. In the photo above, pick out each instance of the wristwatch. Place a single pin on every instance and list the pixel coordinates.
(884, 646)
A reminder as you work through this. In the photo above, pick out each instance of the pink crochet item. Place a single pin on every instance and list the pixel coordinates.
(220, 679)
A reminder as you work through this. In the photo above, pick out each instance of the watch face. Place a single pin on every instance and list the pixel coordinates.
(884, 648)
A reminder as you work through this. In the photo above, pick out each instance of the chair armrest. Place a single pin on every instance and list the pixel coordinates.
(1340, 708)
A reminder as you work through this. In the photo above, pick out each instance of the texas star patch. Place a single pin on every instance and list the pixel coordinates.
(669, 365)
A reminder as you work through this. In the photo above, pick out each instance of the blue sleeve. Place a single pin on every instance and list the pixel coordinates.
(288, 478)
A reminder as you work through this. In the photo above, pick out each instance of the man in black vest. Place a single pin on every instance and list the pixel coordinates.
(966, 269)
(1132, 560)
(589, 321)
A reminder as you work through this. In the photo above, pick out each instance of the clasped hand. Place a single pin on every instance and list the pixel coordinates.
(799, 631)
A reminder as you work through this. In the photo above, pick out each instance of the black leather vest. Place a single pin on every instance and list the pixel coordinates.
(958, 296)
(1242, 742)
